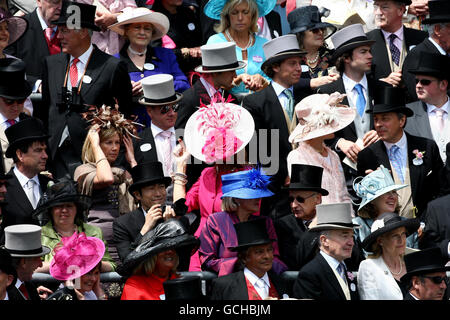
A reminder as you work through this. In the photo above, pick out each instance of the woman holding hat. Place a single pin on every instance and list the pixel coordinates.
(238, 23)
(141, 26)
(98, 178)
(61, 210)
(241, 198)
(379, 275)
(378, 194)
(155, 260)
(319, 116)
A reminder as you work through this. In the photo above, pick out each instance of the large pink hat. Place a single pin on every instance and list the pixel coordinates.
(218, 131)
(319, 115)
(76, 256)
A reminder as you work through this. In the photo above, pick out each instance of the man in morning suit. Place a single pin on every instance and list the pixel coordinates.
(326, 277)
(80, 76)
(256, 281)
(438, 42)
(431, 118)
(412, 160)
(392, 40)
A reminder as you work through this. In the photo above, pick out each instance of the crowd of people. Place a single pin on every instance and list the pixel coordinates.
(243, 138)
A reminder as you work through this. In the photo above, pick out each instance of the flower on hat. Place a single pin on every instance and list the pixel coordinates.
(370, 184)
(256, 179)
(378, 224)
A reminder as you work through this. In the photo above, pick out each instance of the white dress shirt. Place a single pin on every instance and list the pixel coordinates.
(23, 180)
(403, 145)
(284, 100)
(432, 115)
(332, 262)
(159, 141)
(350, 90)
(253, 279)
(4, 121)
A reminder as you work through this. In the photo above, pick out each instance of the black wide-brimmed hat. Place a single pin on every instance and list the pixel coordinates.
(390, 99)
(386, 222)
(30, 129)
(70, 17)
(306, 177)
(439, 12)
(432, 64)
(309, 18)
(148, 173)
(251, 233)
(183, 288)
(64, 191)
(423, 262)
(16, 25)
(167, 235)
(349, 38)
(13, 84)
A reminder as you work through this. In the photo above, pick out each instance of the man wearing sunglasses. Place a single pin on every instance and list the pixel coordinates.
(426, 276)
(430, 118)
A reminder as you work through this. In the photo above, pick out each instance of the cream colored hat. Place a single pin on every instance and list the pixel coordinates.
(219, 57)
(159, 90)
(142, 15)
(334, 216)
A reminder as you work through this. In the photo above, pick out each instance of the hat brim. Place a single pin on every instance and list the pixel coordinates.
(13, 146)
(45, 250)
(385, 108)
(139, 184)
(83, 201)
(411, 226)
(436, 20)
(248, 245)
(301, 187)
(62, 21)
(17, 92)
(440, 74)
(178, 95)
(248, 193)
(241, 64)
(423, 270)
(380, 193)
(280, 57)
(350, 46)
(17, 27)
(158, 20)
(330, 29)
(213, 8)
(332, 226)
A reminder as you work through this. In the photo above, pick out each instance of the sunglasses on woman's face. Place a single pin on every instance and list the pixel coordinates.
(424, 82)
(299, 199)
(165, 109)
(437, 279)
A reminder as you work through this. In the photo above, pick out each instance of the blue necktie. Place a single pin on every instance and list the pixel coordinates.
(396, 160)
(290, 106)
(361, 100)
(395, 53)
(341, 271)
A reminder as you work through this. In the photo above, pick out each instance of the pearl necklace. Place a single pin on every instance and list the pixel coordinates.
(140, 54)
(400, 271)
(313, 61)
(249, 43)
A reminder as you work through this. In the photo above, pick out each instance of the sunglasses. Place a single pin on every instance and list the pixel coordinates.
(300, 199)
(4, 183)
(437, 279)
(165, 109)
(424, 82)
(12, 101)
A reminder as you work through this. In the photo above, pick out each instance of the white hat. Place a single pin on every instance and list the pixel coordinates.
(24, 240)
(158, 90)
(142, 15)
(334, 216)
(219, 57)
(281, 48)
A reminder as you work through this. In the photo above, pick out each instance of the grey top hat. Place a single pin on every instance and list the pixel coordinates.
(219, 57)
(24, 240)
(281, 48)
(159, 90)
(334, 216)
(349, 38)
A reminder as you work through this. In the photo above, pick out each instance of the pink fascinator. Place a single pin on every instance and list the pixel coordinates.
(75, 256)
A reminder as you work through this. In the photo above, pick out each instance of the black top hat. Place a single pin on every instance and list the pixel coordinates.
(184, 288)
(387, 222)
(309, 18)
(251, 233)
(13, 84)
(85, 20)
(6, 263)
(433, 64)
(306, 177)
(148, 173)
(64, 191)
(390, 99)
(423, 262)
(170, 234)
(30, 129)
(439, 12)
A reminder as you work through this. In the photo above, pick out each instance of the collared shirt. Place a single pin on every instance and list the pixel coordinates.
(442, 51)
(6, 296)
(398, 42)
(403, 145)
(81, 65)
(23, 180)
(432, 114)
(349, 86)
(253, 278)
(284, 100)
(4, 121)
(209, 88)
(159, 141)
(332, 262)
(412, 295)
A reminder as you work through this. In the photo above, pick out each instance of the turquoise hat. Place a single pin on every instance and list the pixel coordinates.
(214, 8)
(374, 185)
(248, 184)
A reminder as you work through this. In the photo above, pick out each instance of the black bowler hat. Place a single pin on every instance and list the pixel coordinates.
(148, 173)
(423, 262)
(390, 99)
(251, 233)
(6, 265)
(307, 178)
(183, 288)
(13, 84)
(30, 129)
(69, 13)
(433, 64)
(309, 18)
(439, 12)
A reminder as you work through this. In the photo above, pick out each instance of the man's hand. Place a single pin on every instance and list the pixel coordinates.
(350, 149)
(136, 88)
(152, 216)
(320, 81)
(418, 8)
(394, 78)
(370, 137)
(44, 292)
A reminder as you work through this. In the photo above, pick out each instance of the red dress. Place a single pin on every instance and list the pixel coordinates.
(143, 287)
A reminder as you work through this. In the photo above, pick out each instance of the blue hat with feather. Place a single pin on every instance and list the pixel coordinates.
(248, 184)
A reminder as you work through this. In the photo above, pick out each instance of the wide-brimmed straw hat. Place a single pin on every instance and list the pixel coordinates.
(373, 185)
(142, 15)
(75, 256)
(16, 25)
(386, 222)
(219, 57)
(218, 131)
(247, 184)
(24, 241)
(334, 216)
(214, 8)
(319, 115)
